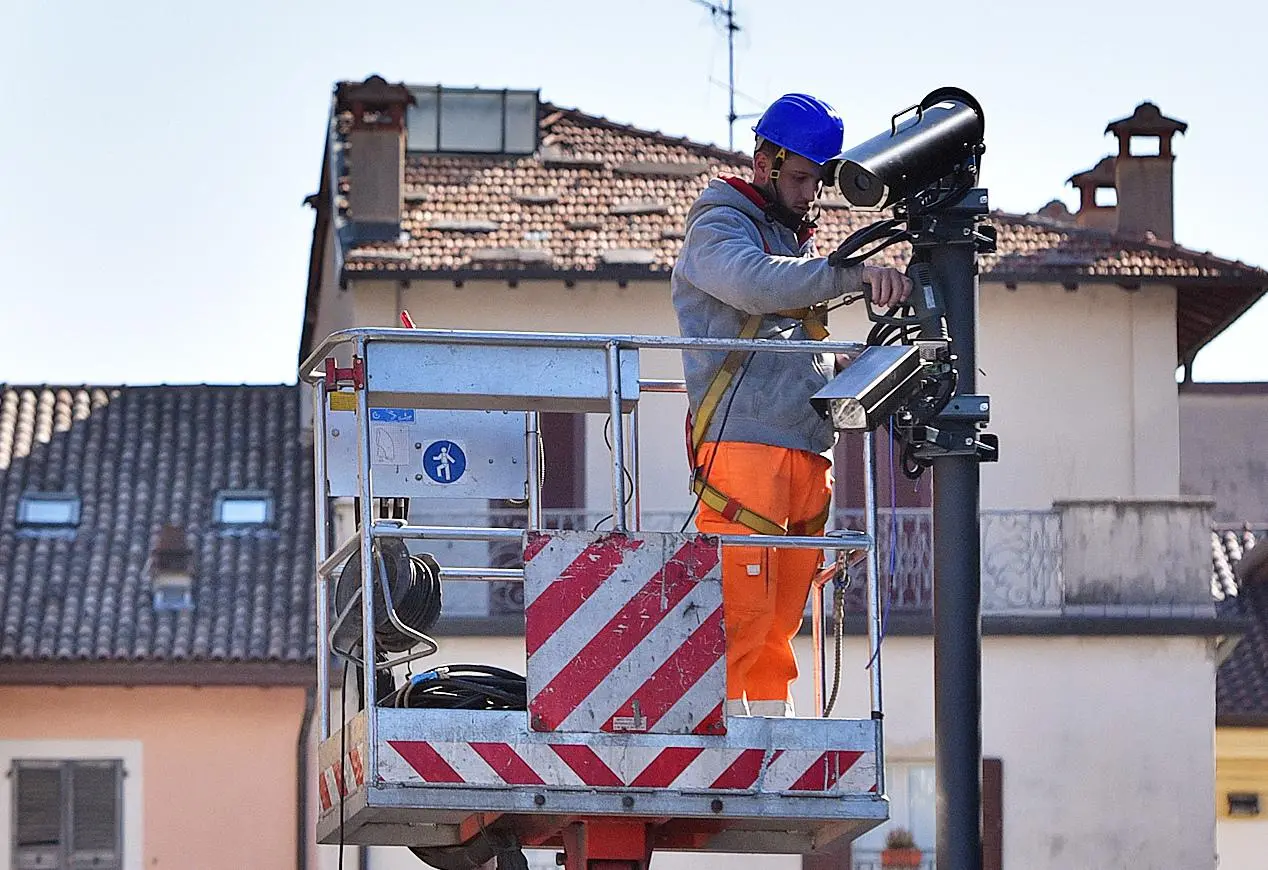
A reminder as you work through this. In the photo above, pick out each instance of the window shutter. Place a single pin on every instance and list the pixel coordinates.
(38, 816)
(992, 814)
(94, 814)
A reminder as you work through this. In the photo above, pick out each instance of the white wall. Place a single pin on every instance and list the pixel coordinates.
(1223, 429)
(1242, 844)
(1106, 743)
(1083, 390)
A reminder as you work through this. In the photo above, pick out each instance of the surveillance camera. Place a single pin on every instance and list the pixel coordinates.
(945, 131)
(871, 387)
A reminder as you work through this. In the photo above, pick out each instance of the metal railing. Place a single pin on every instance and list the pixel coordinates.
(1021, 555)
(367, 343)
(1021, 552)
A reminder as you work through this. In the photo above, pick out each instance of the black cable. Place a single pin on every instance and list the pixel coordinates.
(463, 687)
(856, 259)
(629, 489)
(950, 195)
(864, 236)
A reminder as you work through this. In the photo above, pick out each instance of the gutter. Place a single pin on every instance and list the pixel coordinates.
(301, 779)
(528, 273)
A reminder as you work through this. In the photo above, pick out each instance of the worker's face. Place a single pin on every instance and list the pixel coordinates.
(798, 183)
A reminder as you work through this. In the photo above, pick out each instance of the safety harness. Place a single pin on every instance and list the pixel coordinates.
(813, 320)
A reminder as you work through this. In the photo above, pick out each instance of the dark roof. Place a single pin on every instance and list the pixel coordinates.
(605, 200)
(1241, 690)
(140, 458)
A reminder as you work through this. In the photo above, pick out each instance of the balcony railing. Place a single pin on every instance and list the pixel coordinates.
(1085, 558)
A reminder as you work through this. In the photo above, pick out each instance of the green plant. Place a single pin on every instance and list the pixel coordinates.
(899, 838)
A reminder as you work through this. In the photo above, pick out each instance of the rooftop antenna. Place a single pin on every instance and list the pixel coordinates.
(727, 15)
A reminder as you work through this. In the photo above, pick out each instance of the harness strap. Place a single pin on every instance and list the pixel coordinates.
(733, 511)
(813, 319)
(719, 385)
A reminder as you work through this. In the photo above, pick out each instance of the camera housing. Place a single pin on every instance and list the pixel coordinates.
(943, 137)
(875, 384)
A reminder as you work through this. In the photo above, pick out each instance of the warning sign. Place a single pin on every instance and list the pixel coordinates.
(444, 462)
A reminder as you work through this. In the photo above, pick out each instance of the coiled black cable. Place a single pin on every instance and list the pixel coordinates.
(414, 583)
(463, 687)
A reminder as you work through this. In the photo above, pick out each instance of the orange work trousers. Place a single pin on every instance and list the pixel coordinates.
(764, 590)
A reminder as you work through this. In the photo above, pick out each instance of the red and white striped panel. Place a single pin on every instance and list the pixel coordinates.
(624, 632)
(332, 782)
(572, 765)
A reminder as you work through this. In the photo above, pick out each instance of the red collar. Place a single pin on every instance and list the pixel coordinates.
(755, 196)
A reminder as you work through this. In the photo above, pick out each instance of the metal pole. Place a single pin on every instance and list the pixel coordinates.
(874, 608)
(513, 575)
(636, 515)
(957, 569)
(367, 563)
(532, 457)
(309, 371)
(730, 70)
(819, 660)
(321, 507)
(618, 440)
(874, 604)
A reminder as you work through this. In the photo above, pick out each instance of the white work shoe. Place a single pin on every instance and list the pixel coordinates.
(780, 709)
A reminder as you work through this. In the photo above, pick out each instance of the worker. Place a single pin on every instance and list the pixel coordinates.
(759, 450)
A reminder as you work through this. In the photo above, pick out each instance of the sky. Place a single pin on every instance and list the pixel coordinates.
(157, 154)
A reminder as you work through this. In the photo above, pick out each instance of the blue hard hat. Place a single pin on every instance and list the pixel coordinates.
(804, 125)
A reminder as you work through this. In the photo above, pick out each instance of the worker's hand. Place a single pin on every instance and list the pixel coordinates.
(889, 286)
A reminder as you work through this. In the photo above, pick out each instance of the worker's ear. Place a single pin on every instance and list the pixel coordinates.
(761, 167)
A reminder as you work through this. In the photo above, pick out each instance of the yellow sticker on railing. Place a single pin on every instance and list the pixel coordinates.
(343, 401)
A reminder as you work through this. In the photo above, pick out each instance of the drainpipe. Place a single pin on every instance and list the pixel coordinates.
(301, 779)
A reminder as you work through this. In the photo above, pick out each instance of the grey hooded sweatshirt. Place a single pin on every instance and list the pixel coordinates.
(723, 275)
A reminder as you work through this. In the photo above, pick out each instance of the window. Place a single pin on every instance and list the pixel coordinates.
(48, 509)
(1244, 803)
(912, 790)
(67, 814)
(172, 597)
(244, 508)
(468, 120)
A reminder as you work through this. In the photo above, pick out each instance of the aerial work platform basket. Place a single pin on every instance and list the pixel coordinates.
(621, 745)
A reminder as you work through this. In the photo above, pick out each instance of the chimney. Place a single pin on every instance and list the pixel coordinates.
(1143, 172)
(375, 156)
(1097, 180)
(1056, 210)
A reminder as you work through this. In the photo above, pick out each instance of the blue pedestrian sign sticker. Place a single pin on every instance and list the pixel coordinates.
(444, 461)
